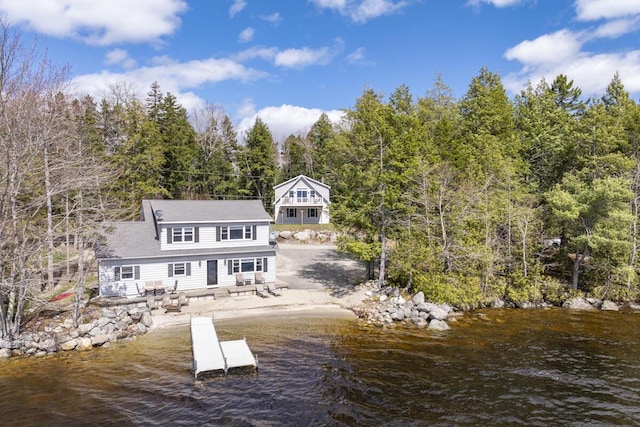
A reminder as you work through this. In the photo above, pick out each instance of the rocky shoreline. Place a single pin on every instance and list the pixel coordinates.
(385, 307)
(107, 325)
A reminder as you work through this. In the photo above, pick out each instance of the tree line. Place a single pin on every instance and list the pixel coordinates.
(466, 199)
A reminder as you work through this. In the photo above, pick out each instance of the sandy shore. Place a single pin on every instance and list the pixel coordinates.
(301, 302)
(319, 281)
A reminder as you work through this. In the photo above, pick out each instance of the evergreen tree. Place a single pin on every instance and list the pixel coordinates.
(296, 158)
(180, 147)
(258, 164)
(217, 147)
(318, 139)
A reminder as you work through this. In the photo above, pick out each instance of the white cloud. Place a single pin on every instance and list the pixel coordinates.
(247, 108)
(358, 56)
(119, 57)
(274, 18)
(246, 35)
(286, 120)
(302, 58)
(566, 52)
(496, 3)
(361, 11)
(97, 22)
(549, 48)
(592, 10)
(237, 7)
(591, 72)
(266, 53)
(617, 28)
(288, 58)
(175, 77)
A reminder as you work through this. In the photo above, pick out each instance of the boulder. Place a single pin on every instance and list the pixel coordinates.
(109, 313)
(438, 325)
(285, 234)
(104, 321)
(99, 339)
(497, 303)
(609, 306)
(84, 344)
(418, 298)
(135, 314)
(438, 314)
(578, 303)
(140, 328)
(146, 319)
(398, 315)
(69, 345)
(419, 321)
(85, 328)
(424, 307)
(48, 345)
(5, 353)
(303, 235)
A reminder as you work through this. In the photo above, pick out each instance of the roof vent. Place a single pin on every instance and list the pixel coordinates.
(159, 214)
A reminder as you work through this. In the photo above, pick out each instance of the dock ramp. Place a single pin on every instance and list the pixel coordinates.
(211, 355)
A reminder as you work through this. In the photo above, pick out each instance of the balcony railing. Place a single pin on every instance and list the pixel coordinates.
(302, 200)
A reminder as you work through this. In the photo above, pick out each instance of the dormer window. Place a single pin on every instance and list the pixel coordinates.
(182, 235)
(237, 232)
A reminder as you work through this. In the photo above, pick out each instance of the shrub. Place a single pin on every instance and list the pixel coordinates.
(463, 292)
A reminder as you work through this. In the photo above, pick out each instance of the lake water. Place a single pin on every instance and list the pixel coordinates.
(496, 367)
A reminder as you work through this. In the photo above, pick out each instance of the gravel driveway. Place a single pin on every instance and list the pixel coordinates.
(317, 267)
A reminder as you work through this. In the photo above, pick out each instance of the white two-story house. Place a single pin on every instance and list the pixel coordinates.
(302, 200)
(200, 244)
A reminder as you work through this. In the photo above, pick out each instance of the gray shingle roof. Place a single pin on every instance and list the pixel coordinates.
(137, 239)
(208, 210)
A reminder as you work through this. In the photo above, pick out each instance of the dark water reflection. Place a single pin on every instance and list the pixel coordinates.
(500, 367)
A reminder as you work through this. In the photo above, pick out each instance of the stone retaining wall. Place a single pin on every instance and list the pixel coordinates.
(111, 325)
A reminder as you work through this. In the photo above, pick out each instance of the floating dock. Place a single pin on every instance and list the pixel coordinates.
(212, 355)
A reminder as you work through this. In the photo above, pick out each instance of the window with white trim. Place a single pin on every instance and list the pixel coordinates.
(312, 213)
(236, 232)
(182, 235)
(292, 213)
(180, 269)
(247, 265)
(126, 272)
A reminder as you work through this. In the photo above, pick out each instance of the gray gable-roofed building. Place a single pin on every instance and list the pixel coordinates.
(201, 244)
(302, 200)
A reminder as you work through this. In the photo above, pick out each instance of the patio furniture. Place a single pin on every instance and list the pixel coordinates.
(149, 288)
(273, 290)
(169, 305)
(183, 299)
(259, 278)
(141, 290)
(239, 279)
(261, 292)
(151, 303)
(174, 289)
(158, 287)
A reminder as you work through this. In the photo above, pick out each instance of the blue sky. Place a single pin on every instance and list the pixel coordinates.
(286, 61)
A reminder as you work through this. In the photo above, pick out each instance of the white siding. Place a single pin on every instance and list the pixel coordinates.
(208, 237)
(153, 270)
